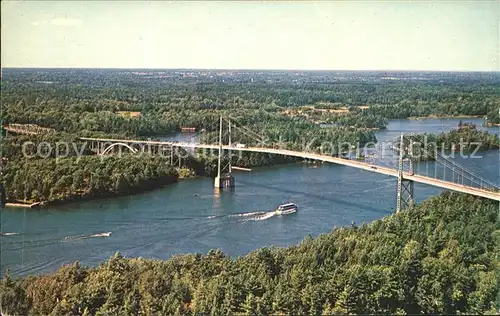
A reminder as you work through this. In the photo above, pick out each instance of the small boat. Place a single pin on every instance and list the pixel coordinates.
(288, 208)
(8, 234)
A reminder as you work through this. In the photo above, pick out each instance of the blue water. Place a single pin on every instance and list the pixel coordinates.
(396, 127)
(190, 217)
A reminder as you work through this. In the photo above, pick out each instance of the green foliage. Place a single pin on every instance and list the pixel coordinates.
(465, 138)
(70, 178)
(43, 146)
(468, 138)
(90, 101)
(440, 258)
(493, 116)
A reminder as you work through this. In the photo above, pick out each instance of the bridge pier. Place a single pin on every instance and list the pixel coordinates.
(97, 148)
(405, 195)
(405, 187)
(224, 181)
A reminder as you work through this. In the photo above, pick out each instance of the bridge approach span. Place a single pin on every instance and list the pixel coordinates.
(326, 158)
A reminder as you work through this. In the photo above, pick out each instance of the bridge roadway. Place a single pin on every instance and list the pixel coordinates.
(346, 162)
(27, 129)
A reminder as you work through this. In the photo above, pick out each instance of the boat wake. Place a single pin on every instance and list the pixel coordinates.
(78, 237)
(377, 188)
(263, 216)
(248, 216)
(8, 234)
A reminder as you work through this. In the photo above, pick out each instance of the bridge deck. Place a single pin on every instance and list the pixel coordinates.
(346, 162)
(27, 129)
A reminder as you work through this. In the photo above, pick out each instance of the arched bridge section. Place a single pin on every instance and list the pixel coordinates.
(110, 148)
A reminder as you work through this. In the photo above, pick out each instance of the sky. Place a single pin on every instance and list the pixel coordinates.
(314, 35)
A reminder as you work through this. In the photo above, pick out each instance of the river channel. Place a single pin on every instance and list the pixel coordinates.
(189, 216)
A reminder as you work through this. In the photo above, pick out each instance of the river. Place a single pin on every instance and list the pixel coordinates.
(189, 217)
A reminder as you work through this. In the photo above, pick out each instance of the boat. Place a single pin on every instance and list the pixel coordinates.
(287, 208)
(8, 234)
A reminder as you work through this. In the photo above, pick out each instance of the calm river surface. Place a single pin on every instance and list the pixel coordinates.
(189, 217)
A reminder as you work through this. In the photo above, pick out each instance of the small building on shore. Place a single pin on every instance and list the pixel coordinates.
(188, 129)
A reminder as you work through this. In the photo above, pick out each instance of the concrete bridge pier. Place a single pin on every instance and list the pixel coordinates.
(94, 146)
(224, 181)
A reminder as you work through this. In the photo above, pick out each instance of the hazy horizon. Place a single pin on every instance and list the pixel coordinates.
(453, 36)
(260, 69)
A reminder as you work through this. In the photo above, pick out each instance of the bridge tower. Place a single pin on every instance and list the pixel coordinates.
(405, 186)
(230, 168)
(223, 180)
(2, 188)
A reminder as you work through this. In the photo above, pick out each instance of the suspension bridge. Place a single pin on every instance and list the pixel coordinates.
(223, 141)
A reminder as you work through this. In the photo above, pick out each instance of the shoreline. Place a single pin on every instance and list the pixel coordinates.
(189, 175)
(19, 204)
(85, 198)
(81, 198)
(234, 264)
(416, 118)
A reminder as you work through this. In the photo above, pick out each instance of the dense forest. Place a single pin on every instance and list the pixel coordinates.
(48, 170)
(466, 139)
(50, 180)
(98, 100)
(493, 117)
(44, 176)
(439, 258)
(295, 110)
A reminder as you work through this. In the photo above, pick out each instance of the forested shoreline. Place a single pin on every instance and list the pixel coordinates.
(287, 109)
(45, 177)
(61, 180)
(465, 139)
(85, 177)
(36, 173)
(439, 258)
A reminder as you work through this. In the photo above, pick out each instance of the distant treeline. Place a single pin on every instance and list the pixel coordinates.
(78, 100)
